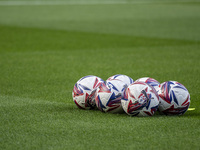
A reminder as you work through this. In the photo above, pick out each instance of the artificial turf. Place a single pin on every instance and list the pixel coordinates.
(45, 49)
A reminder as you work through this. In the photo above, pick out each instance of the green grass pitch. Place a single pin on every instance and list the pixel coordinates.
(46, 46)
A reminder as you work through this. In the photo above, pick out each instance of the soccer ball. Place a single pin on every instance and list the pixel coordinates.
(150, 81)
(108, 96)
(84, 91)
(174, 98)
(140, 99)
(126, 79)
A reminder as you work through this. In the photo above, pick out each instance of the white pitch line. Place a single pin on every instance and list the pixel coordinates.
(85, 2)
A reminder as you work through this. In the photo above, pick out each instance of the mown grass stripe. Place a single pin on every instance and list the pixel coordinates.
(45, 39)
(85, 2)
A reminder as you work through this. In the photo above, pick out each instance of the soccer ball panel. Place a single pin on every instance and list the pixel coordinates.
(150, 81)
(140, 99)
(174, 98)
(84, 91)
(124, 78)
(108, 96)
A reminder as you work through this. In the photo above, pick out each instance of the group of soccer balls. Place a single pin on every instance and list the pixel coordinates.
(120, 93)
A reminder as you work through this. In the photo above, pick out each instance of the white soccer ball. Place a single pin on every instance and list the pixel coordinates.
(124, 78)
(84, 91)
(140, 99)
(108, 96)
(174, 98)
(150, 81)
